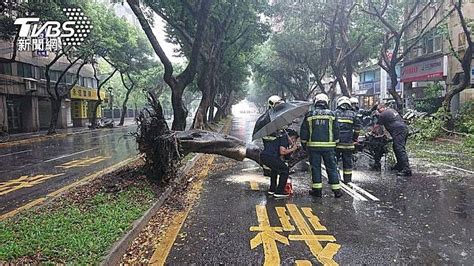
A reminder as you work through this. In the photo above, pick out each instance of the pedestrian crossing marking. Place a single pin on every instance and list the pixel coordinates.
(295, 221)
(82, 162)
(24, 182)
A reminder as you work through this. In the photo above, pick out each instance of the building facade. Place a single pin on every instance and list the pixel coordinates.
(25, 104)
(432, 60)
(374, 83)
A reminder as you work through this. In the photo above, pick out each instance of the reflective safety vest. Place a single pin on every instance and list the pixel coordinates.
(349, 128)
(320, 129)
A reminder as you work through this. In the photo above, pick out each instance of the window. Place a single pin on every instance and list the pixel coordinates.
(69, 78)
(461, 40)
(42, 73)
(25, 70)
(54, 75)
(433, 43)
(6, 68)
(81, 81)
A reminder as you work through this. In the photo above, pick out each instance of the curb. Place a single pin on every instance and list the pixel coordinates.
(115, 253)
(120, 247)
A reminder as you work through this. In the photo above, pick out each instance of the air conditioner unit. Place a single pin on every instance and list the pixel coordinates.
(30, 86)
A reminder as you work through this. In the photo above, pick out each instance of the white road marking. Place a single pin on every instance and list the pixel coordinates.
(68, 155)
(457, 168)
(13, 153)
(251, 169)
(352, 192)
(363, 191)
(344, 187)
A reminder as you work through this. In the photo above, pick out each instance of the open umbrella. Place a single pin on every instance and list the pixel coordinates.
(279, 117)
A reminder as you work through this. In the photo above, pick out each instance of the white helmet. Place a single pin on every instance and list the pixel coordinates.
(354, 101)
(274, 100)
(344, 100)
(321, 98)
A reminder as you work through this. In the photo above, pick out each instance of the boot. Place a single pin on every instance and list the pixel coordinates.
(337, 193)
(347, 179)
(405, 172)
(396, 167)
(316, 193)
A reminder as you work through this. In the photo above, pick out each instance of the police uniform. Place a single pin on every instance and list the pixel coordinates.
(319, 134)
(270, 157)
(349, 128)
(393, 122)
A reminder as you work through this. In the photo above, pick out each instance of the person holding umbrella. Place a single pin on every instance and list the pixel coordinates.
(319, 134)
(276, 141)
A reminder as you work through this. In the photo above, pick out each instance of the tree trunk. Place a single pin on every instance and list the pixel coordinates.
(55, 109)
(393, 89)
(349, 71)
(204, 85)
(179, 112)
(124, 108)
(93, 119)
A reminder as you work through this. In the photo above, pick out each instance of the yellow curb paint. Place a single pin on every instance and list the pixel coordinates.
(163, 249)
(65, 188)
(267, 237)
(284, 219)
(303, 263)
(254, 186)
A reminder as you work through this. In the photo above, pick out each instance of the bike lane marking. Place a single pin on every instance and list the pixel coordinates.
(268, 235)
(24, 182)
(69, 155)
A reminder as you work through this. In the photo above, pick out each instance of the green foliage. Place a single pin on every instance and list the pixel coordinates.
(73, 233)
(429, 128)
(465, 119)
(432, 100)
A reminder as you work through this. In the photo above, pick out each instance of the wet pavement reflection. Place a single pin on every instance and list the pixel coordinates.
(382, 219)
(30, 171)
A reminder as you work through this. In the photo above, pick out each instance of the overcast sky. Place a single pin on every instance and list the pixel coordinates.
(158, 29)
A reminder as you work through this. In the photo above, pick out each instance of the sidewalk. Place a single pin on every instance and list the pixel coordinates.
(21, 137)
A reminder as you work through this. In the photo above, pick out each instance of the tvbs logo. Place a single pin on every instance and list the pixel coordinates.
(71, 32)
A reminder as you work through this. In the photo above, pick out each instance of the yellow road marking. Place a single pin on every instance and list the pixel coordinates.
(164, 247)
(267, 237)
(284, 219)
(327, 238)
(303, 263)
(24, 182)
(82, 162)
(324, 255)
(65, 188)
(313, 219)
(254, 185)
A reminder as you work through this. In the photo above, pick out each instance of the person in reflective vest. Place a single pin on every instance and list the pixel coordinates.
(319, 134)
(349, 128)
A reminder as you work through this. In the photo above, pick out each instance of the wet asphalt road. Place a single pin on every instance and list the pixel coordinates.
(427, 218)
(31, 171)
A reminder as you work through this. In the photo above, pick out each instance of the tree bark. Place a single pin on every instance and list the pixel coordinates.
(179, 112)
(55, 109)
(124, 107)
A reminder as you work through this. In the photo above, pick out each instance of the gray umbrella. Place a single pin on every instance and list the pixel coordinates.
(280, 117)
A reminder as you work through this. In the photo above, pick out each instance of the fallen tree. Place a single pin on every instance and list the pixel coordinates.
(164, 149)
